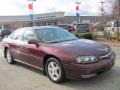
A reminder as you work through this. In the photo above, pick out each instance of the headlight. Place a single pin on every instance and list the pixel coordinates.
(86, 59)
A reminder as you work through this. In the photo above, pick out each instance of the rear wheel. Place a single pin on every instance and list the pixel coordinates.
(54, 70)
(9, 57)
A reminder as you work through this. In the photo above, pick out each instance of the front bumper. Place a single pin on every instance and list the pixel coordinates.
(75, 71)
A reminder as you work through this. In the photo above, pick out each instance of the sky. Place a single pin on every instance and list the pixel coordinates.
(20, 7)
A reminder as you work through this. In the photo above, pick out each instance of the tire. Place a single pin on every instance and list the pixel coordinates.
(9, 57)
(54, 70)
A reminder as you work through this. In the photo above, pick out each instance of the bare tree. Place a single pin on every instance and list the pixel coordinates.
(114, 10)
(106, 10)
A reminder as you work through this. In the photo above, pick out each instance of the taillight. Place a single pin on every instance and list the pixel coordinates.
(75, 30)
(72, 30)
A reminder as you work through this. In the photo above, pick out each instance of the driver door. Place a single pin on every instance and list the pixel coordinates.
(31, 53)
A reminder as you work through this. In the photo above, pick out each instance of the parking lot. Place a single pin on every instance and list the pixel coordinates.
(21, 77)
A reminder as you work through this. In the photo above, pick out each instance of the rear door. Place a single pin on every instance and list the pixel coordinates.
(31, 53)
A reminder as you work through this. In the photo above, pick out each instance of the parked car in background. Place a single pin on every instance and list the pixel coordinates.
(111, 30)
(57, 52)
(83, 31)
(68, 27)
(4, 33)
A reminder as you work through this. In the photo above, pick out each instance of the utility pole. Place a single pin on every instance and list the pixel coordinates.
(118, 18)
(102, 10)
(119, 7)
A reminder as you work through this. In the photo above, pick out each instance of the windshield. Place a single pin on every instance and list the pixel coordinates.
(54, 35)
(82, 27)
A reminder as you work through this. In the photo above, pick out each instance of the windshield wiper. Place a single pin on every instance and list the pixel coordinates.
(69, 40)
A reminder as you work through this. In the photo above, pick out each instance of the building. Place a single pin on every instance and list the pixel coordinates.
(86, 19)
(14, 22)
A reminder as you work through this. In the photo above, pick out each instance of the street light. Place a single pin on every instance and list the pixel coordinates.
(102, 10)
(32, 11)
(119, 7)
(119, 18)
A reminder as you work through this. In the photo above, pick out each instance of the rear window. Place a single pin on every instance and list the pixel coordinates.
(63, 26)
(82, 27)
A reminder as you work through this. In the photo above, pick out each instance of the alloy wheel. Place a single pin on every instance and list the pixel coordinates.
(54, 70)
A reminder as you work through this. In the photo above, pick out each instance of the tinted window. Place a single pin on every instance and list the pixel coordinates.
(54, 35)
(28, 35)
(82, 27)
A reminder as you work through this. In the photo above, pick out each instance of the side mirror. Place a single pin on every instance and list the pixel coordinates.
(33, 41)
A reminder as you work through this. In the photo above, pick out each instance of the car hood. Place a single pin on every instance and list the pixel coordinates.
(82, 47)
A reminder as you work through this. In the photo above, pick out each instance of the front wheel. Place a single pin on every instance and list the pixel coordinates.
(54, 70)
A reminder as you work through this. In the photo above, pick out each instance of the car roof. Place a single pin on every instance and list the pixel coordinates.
(39, 27)
(65, 25)
(82, 23)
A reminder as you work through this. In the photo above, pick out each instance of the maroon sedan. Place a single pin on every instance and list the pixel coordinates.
(57, 52)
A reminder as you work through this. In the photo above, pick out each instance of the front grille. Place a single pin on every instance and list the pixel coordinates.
(106, 56)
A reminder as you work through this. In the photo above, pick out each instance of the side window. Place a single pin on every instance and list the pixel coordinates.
(17, 35)
(11, 35)
(28, 35)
